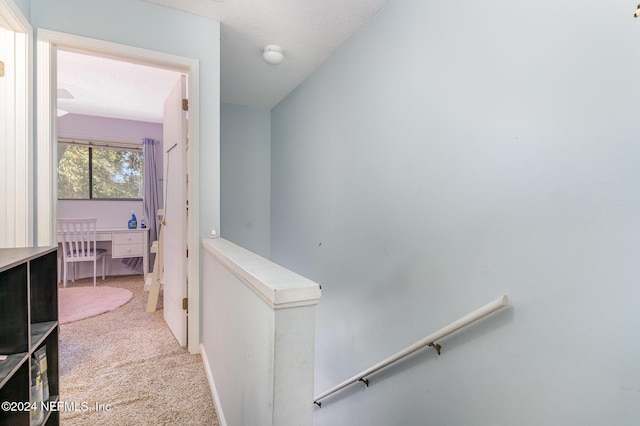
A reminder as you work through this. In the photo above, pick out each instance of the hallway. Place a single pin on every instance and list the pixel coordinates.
(126, 367)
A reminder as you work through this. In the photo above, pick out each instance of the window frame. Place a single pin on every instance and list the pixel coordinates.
(90, 144)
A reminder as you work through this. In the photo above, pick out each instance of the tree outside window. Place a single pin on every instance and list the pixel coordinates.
(99, 172)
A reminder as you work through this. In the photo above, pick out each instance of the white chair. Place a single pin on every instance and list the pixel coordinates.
(79, 245)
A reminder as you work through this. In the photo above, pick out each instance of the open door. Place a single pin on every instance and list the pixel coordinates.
(175, 200)
(16, 156)
(45, 196)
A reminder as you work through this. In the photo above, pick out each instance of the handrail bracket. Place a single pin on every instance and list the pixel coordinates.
(429, 340)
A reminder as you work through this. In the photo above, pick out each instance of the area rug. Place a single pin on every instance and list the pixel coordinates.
(77, 303)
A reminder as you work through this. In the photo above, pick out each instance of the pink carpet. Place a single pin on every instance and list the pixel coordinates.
(77, 303)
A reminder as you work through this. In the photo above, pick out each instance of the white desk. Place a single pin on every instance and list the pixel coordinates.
(125, 243)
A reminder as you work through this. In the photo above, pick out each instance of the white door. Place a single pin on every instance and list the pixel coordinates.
(16, 171)
(174, 135)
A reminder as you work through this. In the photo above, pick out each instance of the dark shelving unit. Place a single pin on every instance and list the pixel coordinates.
(28, 321)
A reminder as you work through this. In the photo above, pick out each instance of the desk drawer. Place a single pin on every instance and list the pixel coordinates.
(100, 236)
(103, 236)
(128, 238)
(127, 250)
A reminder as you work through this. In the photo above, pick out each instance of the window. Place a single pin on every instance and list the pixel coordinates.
(95, 172)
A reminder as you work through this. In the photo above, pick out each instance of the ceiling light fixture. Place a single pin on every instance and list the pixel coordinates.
(272, 54)
(64, 94)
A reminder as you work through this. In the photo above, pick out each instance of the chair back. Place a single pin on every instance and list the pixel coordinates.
(78, 238)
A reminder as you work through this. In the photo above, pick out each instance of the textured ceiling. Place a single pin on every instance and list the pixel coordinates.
(308, 31)
(110, 88)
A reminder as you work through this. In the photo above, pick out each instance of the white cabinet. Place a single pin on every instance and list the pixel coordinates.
(124, 243)
(127, 244)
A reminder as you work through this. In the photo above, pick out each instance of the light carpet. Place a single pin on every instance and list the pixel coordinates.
(129, 359)
(76, 303)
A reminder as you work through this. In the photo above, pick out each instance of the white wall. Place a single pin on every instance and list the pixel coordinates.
(14, 152)
(258, 346)
(245, 175)
(450, 153)
(16, 156)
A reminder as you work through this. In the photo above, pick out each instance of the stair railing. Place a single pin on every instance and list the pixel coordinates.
(429, 340)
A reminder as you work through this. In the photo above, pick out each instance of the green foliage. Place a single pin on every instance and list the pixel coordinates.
(73, 172)
(115, 173)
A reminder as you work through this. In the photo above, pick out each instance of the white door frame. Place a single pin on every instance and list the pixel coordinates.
(48, 42)
(17, 224)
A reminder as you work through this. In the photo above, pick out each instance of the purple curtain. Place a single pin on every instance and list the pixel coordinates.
(151, 204)
(150, 201)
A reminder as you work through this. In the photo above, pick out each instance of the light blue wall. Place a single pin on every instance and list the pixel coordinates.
(24, 6)
(146, 25)
(245, 176)
(450, 153)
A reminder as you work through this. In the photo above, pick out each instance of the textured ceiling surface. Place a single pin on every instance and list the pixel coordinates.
(110, 88)
(308, 31)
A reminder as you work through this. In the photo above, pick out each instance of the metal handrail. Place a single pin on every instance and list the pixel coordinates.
(430, 340)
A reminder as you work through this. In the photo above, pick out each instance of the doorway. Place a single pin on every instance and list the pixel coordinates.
(49, 44)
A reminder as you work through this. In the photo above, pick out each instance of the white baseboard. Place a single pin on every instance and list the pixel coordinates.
(212, 386)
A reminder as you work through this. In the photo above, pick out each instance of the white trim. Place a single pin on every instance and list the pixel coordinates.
(45, 131)
(277, 286)
(11, 13)
(19, 222)
(98, 143)
(212, 385)
(48, 42)
(194, 291)
(101, 141)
